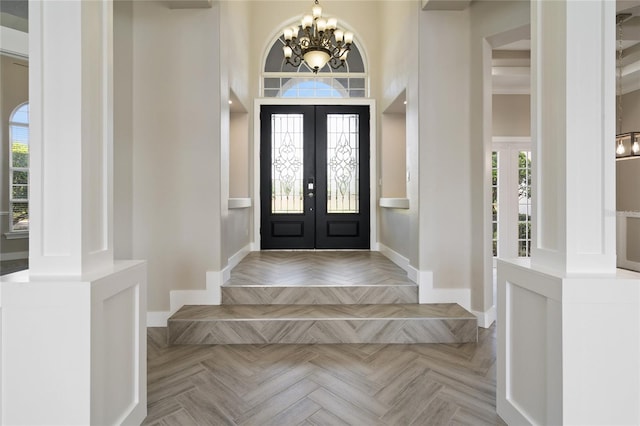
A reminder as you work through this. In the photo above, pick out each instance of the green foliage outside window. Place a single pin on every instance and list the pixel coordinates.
(20, 186)
(20, 154)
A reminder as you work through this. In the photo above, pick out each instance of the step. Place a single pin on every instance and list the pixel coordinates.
(304, 324)
(319, 294)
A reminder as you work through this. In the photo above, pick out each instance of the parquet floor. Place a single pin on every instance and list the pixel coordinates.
(366, 384)
(316, 268)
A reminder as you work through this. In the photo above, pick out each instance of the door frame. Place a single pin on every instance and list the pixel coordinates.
(373, 160)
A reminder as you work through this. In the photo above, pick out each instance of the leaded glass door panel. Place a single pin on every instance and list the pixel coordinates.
(314, 177)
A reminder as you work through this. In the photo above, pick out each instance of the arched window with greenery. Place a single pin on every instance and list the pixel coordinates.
(283, 80)
(19, 169)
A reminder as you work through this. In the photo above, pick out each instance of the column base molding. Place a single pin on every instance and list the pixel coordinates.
(78, 345)
(552, 332)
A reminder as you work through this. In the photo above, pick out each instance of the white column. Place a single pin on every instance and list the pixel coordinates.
(573, 124)
(568, 321)
(71, 106)
(73, 325)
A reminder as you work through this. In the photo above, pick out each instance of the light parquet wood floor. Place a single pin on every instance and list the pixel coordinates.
(365, 384)
(314, 268)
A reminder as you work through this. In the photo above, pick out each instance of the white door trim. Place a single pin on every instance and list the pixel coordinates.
(373, 169)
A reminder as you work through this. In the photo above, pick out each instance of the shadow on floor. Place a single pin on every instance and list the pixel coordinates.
(11, 266)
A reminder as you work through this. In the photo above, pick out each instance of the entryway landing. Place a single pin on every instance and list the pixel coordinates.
(318, 277)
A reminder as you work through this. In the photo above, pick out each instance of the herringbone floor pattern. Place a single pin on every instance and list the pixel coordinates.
(302, 268)
(366, 384)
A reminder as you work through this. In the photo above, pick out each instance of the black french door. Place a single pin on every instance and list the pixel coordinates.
(314, 177)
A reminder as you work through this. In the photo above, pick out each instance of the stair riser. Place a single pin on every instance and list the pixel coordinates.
(385, 331)
(351, 295)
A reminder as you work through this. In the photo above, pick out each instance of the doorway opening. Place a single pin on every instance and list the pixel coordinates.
(314, 177)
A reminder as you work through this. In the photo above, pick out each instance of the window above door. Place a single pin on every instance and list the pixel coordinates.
(282, 80)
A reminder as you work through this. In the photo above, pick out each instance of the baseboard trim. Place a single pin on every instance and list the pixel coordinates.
(211, 296)
(399, 260)
(486, 318)
(426, 292)
(16, 255)
(233, 262)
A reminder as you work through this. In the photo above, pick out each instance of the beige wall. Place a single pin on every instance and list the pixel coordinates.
(393, 155)
(627, 184)
(14, 89)
(177, 187)
(239, 155)
(235, 77)
(511, 115)
(445, 199)
(267, 19)
(182, 77)
(630, 112)
(123, 130)
(628, 177)
(398, 229)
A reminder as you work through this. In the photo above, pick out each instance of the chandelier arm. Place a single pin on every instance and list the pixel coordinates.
(294, 61)
(335, 62)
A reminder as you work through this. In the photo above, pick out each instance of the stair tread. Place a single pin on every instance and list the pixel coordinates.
(318, 284)
(320, 312)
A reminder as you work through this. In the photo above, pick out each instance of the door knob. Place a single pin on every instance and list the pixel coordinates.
(310, 194)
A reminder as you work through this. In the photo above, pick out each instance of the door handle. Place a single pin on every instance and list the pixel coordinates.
(310, 194)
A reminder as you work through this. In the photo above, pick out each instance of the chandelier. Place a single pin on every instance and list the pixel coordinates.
(317, 41)
(627, 144)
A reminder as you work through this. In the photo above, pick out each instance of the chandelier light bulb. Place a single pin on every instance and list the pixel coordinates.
(348, 37)
(307, 21)
(635, 148)
(287, 51)
(288, 34)
(339, 35)
(620, 149)
(316, 10)
(321, 24)
(332, 23)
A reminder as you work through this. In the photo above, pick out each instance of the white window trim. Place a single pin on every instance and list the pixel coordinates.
(509, 149)
(13, 234)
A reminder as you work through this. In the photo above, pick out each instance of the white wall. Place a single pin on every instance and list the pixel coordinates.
(492, 23)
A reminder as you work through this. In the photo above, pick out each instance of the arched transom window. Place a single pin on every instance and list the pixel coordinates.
(282, 80)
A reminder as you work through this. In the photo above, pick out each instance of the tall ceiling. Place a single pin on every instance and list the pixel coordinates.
(510, 62)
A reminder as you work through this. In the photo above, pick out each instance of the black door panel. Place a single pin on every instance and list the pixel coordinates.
(314, 177)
